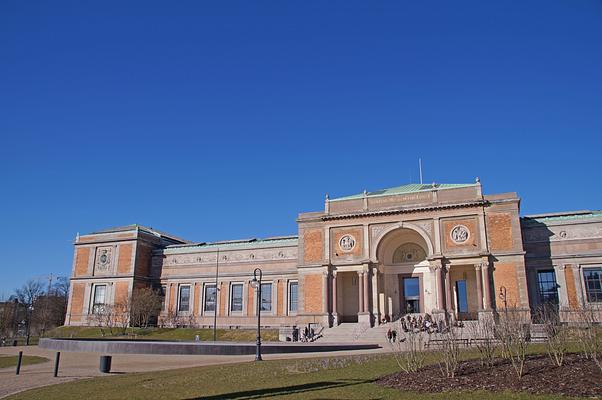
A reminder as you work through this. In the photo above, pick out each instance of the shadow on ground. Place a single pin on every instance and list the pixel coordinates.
(281, 391)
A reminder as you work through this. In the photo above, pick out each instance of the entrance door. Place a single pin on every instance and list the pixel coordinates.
(547, 293)
(349, 299)
(462, 300)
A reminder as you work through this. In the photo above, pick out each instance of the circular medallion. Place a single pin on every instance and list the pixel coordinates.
(347, 243)
(459, 234)
(103, 258)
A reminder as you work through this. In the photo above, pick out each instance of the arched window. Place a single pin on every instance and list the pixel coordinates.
(409, 252)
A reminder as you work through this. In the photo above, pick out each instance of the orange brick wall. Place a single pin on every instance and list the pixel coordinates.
(499, 228)
(471, 224)
(571, 290)
(280, 288)
(357, 233)
(197, 298)
(313, 249)
(223, 298)
(504, 274)
(172, 298)
(143, 260)
(121, 292)
(312, 293)
(81, 261)
(124, 264)
(77, 301)
(250, 309)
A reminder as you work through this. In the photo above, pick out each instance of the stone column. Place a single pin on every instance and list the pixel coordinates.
(486, 285)
(366, 293)
(448, 291)
(479, 287)
(360, 278)
(375, 295)
(439, 291)
(335, 316)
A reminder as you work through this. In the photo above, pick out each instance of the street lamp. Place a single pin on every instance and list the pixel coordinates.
(255, 283)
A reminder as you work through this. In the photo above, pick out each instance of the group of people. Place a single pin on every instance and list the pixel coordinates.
(306, 334)
(416, 324)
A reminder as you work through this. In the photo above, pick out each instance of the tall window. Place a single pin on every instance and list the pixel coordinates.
(236, 297)
(163, 296)
(210, 298)
(100, 293)
(184, 305)
(593, 284)
(462, 296)
(293, 291)
(547, 287)
(266, 297)
(411, 295)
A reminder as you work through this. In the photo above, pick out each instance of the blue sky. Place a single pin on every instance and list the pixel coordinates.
(225, 120)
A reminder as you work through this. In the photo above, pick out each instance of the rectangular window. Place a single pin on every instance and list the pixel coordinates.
(163, 296)
(236, 298)
(293, 290)
(184, 305)
(411, 295)
(266, 297)
(592, 278)
(547, 287)
(210, 298)
(100, 292)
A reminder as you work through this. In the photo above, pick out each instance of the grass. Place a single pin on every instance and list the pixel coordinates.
(319, 378)
(231, 335)
(11, 361)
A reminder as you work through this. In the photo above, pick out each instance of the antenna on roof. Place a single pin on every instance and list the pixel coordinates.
(420, 168)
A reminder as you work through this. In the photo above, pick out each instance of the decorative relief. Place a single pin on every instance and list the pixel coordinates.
(347, 243)
(231, 257)
(557, 233)
(426, 225)
(409, 252)
(377, 230)
(104, 259)
(459, 234)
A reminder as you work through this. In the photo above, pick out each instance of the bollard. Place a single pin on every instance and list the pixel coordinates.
(57, 359)
(105, 364)
(19, 360)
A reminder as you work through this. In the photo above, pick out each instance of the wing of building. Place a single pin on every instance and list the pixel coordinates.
(442, 249)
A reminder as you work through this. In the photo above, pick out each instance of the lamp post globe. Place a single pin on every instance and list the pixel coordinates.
(256, 284)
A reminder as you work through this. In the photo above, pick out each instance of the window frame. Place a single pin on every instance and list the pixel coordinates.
(242, 297)
(586, 292)
(179, 308)
(290, 310)
(95, 305)
(271, 310)
(207, 286)
(419, 298)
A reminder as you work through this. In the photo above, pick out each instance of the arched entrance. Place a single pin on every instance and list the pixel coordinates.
(406, 284)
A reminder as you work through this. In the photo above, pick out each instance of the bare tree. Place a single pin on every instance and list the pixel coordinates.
(408, 351)
(483, 334)
(557, 334)
(449, 361)
(514, 332)
(588, 334)
(145, 304)
(103, 316)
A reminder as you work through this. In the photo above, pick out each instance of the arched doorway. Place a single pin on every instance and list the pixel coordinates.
(406, 284)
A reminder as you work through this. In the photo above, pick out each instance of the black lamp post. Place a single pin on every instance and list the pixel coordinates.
(257, 285)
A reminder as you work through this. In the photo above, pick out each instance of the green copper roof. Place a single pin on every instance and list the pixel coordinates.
(568, 216)
(409, 188)
(278, 241)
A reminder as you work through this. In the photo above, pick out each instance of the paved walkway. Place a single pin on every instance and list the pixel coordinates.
(85, 365)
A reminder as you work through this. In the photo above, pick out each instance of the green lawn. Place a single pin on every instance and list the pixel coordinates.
(320, 378)
(11, 361)
(236, 335)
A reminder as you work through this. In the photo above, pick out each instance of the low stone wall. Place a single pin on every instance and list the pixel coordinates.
(192, 348)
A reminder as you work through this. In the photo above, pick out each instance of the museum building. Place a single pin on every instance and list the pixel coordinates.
(442, 249)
